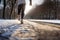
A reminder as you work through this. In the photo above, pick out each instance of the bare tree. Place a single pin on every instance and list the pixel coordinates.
(13, 4)
(30, 2)
(4, 2)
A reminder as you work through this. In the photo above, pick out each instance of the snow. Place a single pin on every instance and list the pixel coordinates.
(48, 21)
(8, 22)
(7, 27)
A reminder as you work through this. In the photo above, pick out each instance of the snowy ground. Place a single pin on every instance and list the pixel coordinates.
(13, 30)
(8, 22)
(49, 21)
(7, 27)
(12, 27)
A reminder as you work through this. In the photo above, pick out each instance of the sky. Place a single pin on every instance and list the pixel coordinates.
(34, 2)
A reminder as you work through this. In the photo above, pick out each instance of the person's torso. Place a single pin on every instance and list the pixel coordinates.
(21, 2)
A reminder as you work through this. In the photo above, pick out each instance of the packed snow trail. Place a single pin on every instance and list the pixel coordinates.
(13, 30)
(9, 27)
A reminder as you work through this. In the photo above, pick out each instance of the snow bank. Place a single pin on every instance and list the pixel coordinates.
(49, 21)
(8, 22)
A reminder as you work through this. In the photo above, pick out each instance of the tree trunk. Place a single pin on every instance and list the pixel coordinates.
(4, 9)
(13, 4)
(30, 2)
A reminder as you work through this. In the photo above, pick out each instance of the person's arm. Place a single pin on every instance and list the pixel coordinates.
(30, 2)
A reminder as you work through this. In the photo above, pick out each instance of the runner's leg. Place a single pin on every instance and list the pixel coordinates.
(19, 10)
(22, 14)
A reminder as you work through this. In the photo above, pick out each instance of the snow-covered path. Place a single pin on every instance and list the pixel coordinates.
(11, 27)
(28, 31)
(7, 27)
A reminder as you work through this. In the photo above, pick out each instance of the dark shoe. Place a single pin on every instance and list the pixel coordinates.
(21, 21)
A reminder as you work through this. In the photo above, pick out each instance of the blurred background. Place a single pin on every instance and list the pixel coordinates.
(40, 9)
